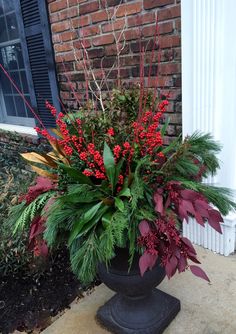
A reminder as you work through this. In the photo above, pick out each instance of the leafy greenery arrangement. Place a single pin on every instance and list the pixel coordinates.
(110, 182)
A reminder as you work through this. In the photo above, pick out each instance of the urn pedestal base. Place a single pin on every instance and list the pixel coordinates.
(149, 314)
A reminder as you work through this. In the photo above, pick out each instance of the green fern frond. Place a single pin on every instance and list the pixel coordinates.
(31, 211)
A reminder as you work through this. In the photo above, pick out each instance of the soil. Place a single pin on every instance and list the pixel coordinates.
(29, 301)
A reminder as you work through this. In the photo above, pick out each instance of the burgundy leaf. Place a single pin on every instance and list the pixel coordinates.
(193, 258)
(144, 227)
(202, 208)
(42, 248)
(147, 261)
(168, 202)
(188, 206)
(182, 212)
(214, 220)
(171, 266)
(37, 227)
(188, 243)
(158, 200)
(182, 264)
(197, 271)
(199, 219)
(189, 195)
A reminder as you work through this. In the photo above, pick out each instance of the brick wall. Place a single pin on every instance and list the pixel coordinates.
(87, 20)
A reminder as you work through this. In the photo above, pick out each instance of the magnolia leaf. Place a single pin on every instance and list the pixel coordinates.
(125, 192)
(197, 271)
(146, 261)
(106, 218)
(119, 204)
(78, 226)
(39, 158)
(75, 174)
(109, 164)
(43, 172)
(144, 227)
(57, 132)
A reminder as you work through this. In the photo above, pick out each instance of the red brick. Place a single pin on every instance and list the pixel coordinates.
(131, 34)
(85, 43)
(67, 36)
(108, 3)
(117, 25)
(60, 26)
(55, 17)
(80, 21)
(163, 28)
(88, 7)
(75, 2)
(63, 47)
(58, 5)
(178, 24)
(169, 13)
(170, 68)
(68, 67)
(102, 15)
(138, 20)
(96, 53)
(111, 50)
(129, 9)
(169, 41)
(149, 4)
(129, 60)
(103, 40)
(69, 13)
(89, 31)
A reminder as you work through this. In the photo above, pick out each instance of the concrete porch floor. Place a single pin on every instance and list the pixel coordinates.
(206, 308)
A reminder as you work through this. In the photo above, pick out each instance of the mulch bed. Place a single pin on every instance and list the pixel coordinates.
(29, 301)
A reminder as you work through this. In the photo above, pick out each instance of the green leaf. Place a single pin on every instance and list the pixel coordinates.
(78, 226)
(109, 163)
(163, 129)
(94, 220)
(81, 193)
(119, 204)
(75, 174)
(106, 218)
(125, 192)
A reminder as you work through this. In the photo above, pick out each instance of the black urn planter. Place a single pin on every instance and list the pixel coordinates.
(138, 307)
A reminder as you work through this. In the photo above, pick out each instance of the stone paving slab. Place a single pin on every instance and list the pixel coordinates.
(206, 308)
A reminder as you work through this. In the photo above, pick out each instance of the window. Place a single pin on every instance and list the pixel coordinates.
(24, 43)
(13, 108)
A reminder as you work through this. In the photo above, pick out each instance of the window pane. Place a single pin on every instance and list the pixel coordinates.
(12, 26)
(16, 78)
(3, 30)
(10, 108)
(1, 7)
(8, 5)
(18, 55)
(24, 82)
(20, 107)
(29, 113)
(11, 57)
(5, 84)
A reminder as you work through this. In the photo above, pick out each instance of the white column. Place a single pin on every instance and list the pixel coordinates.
(209, 76)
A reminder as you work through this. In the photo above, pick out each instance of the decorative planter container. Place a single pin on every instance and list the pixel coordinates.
(138, 307)
(207, 237)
